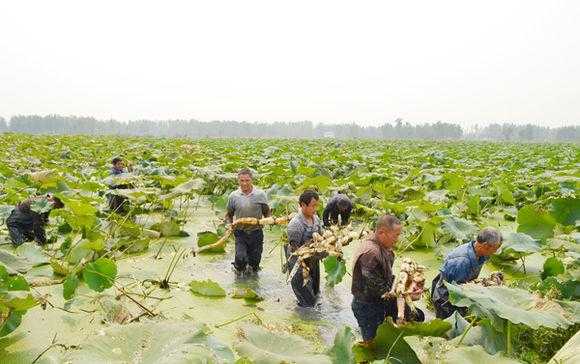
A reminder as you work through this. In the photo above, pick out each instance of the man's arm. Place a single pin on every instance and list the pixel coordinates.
(266, 212)
(345, 217)
(230, 210)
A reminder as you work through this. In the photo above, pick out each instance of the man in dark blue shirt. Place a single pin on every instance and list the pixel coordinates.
(462, 265)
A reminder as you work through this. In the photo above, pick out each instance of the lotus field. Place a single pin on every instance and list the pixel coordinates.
(139, 287)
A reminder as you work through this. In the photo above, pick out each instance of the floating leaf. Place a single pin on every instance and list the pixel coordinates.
(207, 238)
(265, 347)
(100, 274)
(335, 270)
(207, 288)
(162, 342)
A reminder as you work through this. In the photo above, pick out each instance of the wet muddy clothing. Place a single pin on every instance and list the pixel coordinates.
(24, 224)
(370, 315)
(249, 240)
(300, 231)
(460, 266)
(372, 277)
(249, 246)
(116, 171)
(373, 272)
(331, 211)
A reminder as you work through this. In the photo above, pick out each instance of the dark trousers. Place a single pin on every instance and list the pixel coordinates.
(370, 315)
(306, 294)
(118, 204)
(18, 233)
(440, 298)
(249, 246)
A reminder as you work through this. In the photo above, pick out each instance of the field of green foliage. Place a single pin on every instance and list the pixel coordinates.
(114, 288)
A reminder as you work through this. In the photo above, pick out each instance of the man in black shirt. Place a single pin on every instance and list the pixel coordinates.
(338, 205)
(27, 221)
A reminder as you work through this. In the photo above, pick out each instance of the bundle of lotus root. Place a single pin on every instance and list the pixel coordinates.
(330, 243)
(245, 222)
(495, 279)
(408, 286)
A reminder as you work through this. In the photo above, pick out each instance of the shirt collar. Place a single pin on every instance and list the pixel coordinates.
(472, 256)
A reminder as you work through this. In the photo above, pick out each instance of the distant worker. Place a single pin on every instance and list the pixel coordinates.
(28, 219)
(247, 201)
(116, 202)
(373, 276)
(338, 208)
(300, 230)
(463, 264)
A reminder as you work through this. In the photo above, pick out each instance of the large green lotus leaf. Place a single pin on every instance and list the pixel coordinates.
(390, 342)
(341, 350)
(153, 342)
(475, 355)
(209, 237)
(436, 327)
(33, 253)
(100, 274)
(265, 347)
(517, 245)
(462, 230)
(454, 182)
(569, 353)
(320, 183)
(504, 193)
(473, 205)
(552, 267)
(195, 185)
(335, 270)
(566, 211)
(537, 224)
(515, 305)
(207, 288)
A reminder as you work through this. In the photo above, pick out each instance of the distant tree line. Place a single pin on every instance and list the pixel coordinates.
(56, 124)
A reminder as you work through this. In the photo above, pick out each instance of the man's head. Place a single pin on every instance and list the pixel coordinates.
(55, 201)
(488, 242)
(387, 231)
(308, 201)
(118, 163)
(245, 177)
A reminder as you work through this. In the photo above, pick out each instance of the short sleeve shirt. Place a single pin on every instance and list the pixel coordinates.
(301, 231)
(250, 205)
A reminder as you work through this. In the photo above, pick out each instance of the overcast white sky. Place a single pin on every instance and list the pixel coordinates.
(328, 61)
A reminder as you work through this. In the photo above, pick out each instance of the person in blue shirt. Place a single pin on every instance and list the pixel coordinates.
(463, 265)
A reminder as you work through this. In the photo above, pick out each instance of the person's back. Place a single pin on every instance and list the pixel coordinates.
(27, 224)
(338, 208)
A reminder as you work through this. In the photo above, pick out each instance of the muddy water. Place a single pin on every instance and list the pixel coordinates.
(87, 312)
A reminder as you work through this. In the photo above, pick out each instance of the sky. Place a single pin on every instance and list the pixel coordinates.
(367, 62)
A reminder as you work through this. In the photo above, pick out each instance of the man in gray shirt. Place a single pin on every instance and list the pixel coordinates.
(300, 230)
(247, 201)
